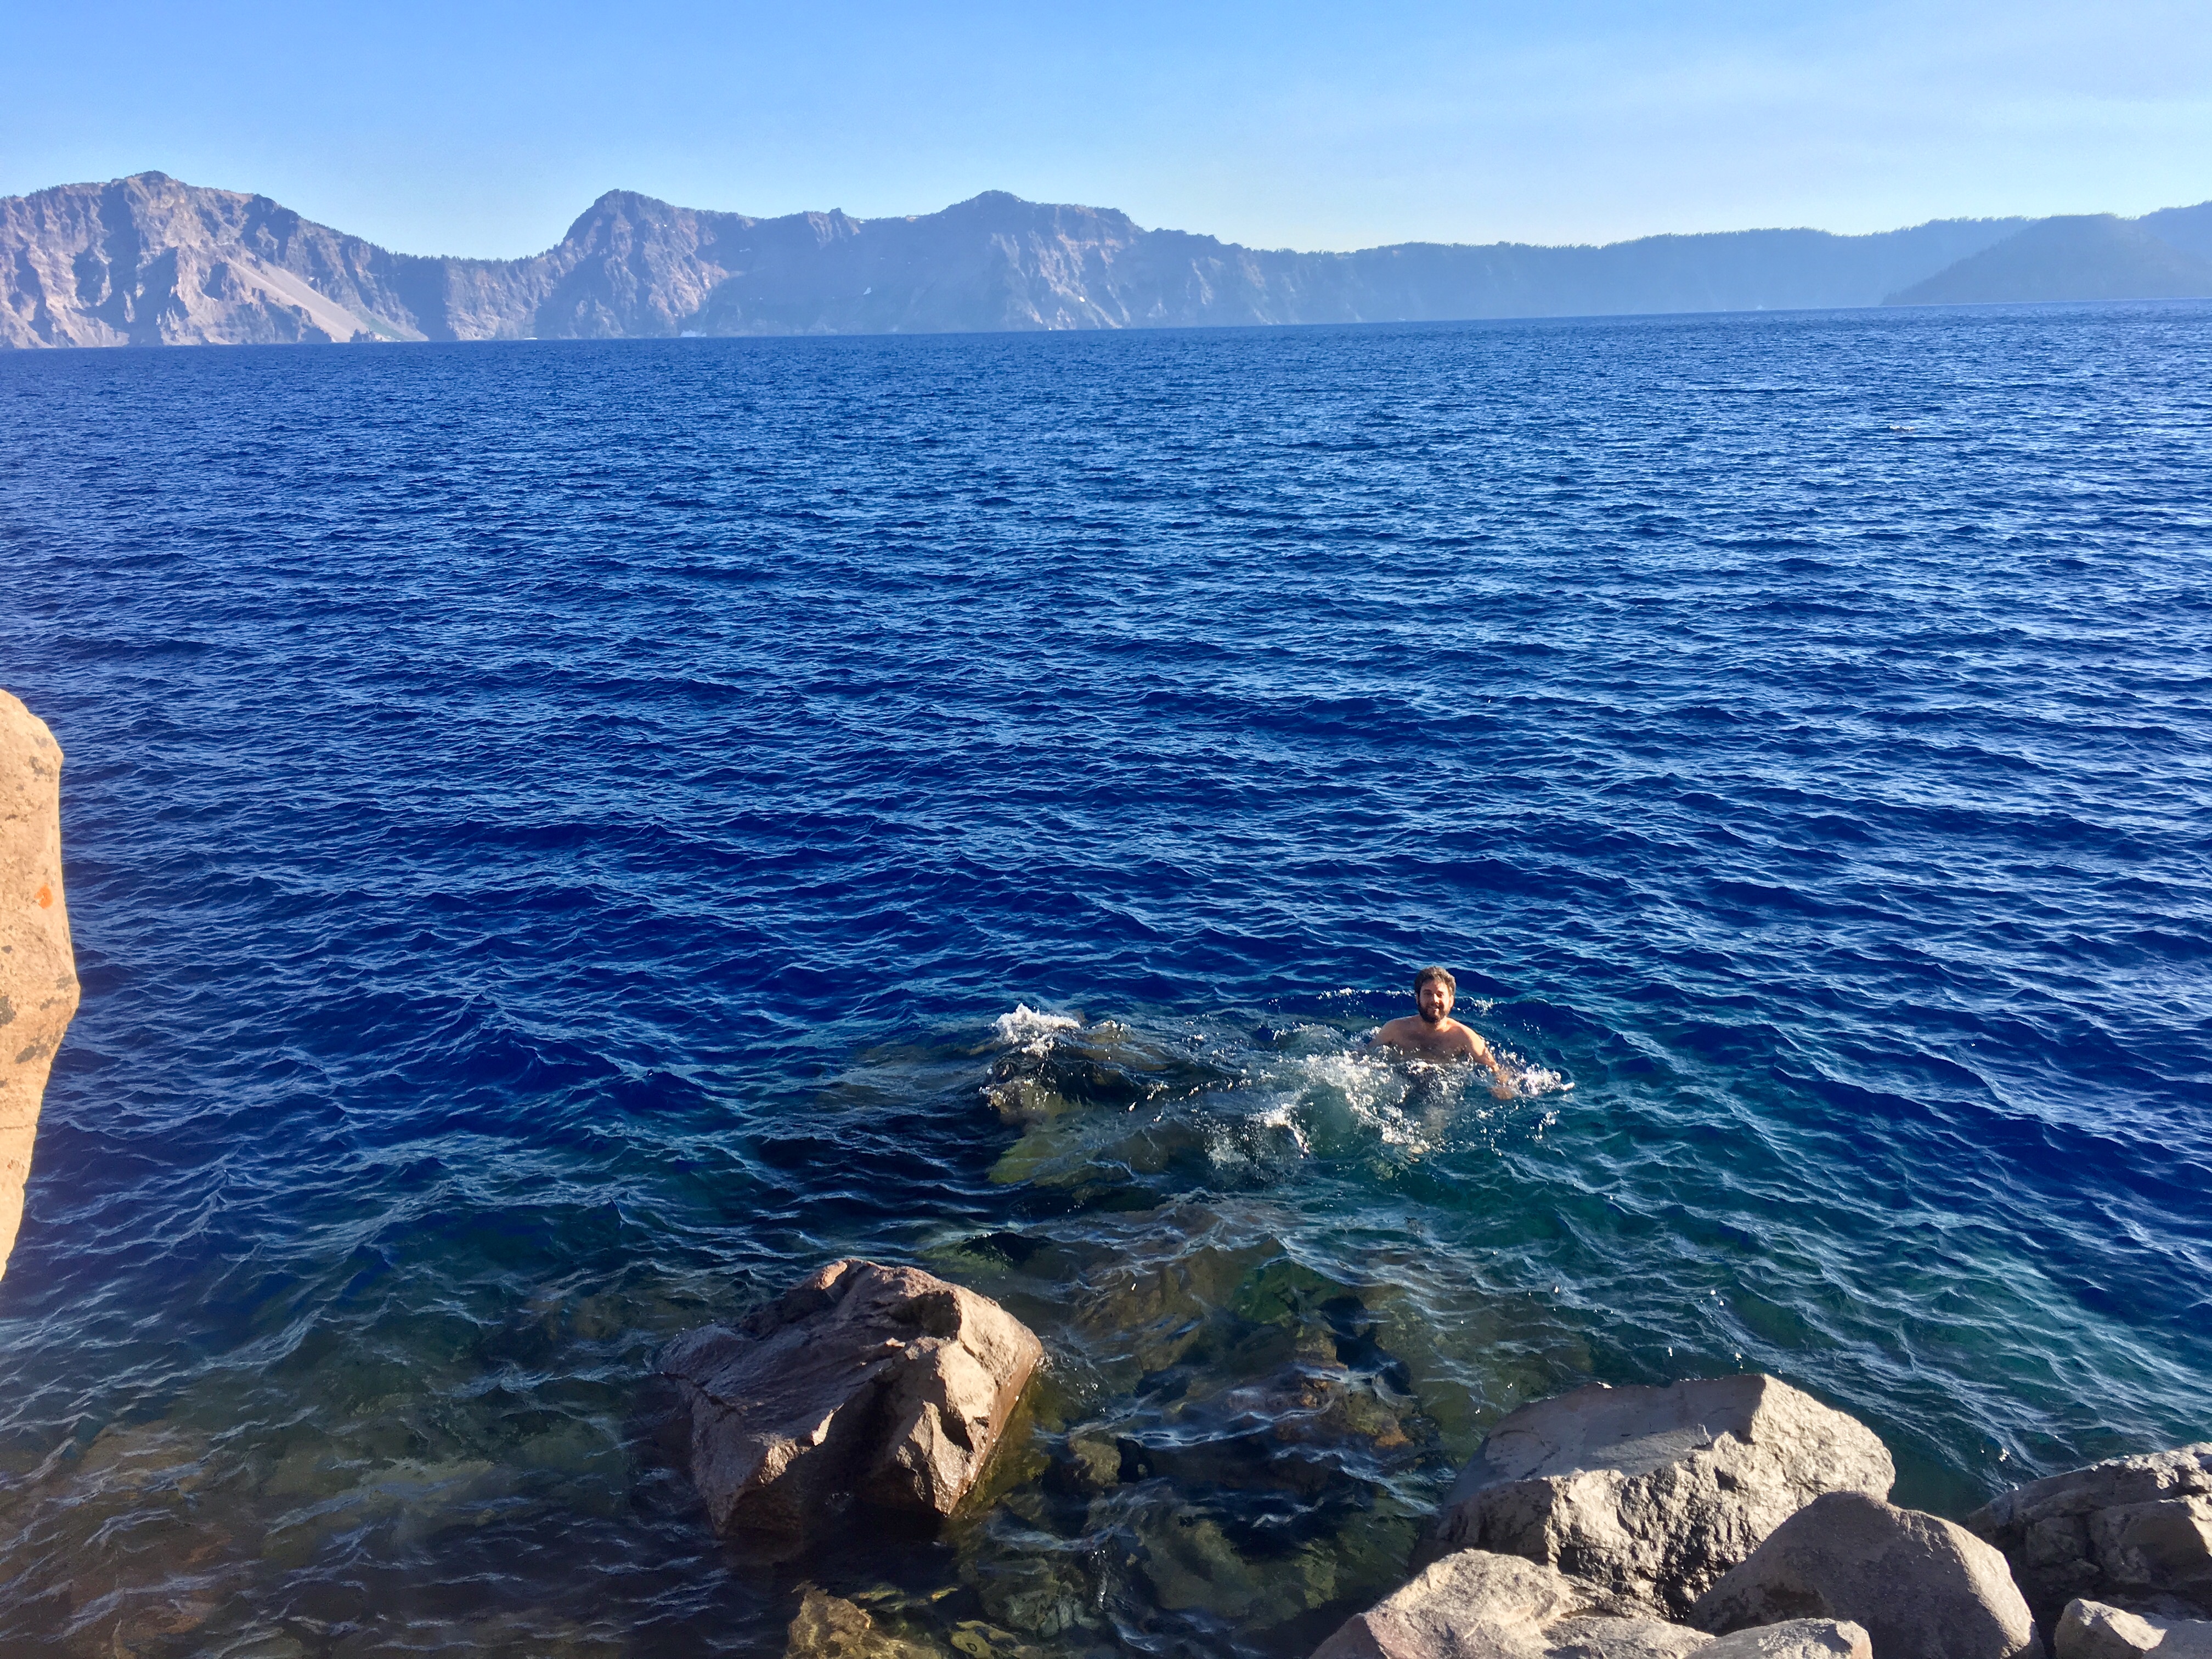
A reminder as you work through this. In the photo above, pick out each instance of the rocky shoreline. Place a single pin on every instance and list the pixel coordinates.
(1735, 1516)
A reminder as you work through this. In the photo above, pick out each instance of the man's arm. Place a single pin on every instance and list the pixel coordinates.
(1484, 1055)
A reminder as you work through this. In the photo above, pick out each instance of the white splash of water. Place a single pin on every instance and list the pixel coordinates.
(1532, 1081)
(1283, 1115)
(1251, 1137)
(1031, 1028)
(1370, 1092)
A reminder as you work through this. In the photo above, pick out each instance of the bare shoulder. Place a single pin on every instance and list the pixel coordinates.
(1398, 1030)
(1464, 1040)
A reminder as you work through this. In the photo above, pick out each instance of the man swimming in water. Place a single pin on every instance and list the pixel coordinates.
(1433, 1034)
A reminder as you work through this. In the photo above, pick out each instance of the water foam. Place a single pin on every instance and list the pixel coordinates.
(1363, 1087)
(1528, 1079)
(1031, 1029)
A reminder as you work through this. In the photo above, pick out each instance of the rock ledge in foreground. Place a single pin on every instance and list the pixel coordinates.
(884, 1386)
(2091, 1630)
(1647, 1496)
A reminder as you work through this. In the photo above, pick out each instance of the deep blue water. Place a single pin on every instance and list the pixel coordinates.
(558, 835)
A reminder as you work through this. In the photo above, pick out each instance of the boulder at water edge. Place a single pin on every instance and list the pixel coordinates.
(1922, 1588)
(2133, 1531)
(2091, 1630)
(1647, 1496)
(884, 1386)
(1474, 1605)
(38, 969)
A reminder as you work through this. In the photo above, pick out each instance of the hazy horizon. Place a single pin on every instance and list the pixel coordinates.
(485, 134)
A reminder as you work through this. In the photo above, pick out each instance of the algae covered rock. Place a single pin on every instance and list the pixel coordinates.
(1922, 1587)
(829, 1627)
(2129, 1530)
(38, 967)
(1230, 1445)
(1647, 1496)
(886, 1385)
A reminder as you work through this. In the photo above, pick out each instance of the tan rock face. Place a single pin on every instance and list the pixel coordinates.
(882, 1386)
(2133, 1529)
(1647, 1496)
(1922, 1588)
(1470, 1602)
(38, 968)
(1474, 1605)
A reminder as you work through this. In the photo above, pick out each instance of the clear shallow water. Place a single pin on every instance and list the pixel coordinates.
(559, 835)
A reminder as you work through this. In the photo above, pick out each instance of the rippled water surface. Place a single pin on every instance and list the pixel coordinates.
(564, 838)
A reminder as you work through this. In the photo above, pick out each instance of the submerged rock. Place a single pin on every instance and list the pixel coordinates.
(1647, 1496)
(882, 1385)
(2091, 1629)
(2132, 1530)
(829, 1627)
(1923, 1587)
(1230, 1443)
(1475, 1605)
(38, 968)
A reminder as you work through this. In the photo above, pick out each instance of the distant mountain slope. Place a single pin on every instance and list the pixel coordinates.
(149, 260)
(2091, 257)
(2189, 229)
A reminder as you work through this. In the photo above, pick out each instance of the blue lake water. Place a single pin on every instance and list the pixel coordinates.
(564, 838)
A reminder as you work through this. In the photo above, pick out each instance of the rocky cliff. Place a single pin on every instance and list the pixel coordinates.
(149, 261)
(38, 968)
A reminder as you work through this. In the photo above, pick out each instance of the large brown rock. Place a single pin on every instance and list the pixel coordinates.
(881, 1385)
(1922, 1588)
(2091, 1630)
(1474, 1605)
(2134, 1531)
(1647, 1496)
(38, 968)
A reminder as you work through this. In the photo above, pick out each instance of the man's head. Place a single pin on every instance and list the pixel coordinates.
(1434, 989)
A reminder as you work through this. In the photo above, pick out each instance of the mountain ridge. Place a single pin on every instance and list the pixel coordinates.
(148, 259)
(2096, 256)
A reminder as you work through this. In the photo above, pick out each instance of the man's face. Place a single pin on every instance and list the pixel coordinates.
(1434, 998)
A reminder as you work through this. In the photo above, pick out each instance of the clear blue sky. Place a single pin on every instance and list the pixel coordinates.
(485, 128)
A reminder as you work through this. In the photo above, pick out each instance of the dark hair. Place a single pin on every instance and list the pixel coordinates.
(1434, 972)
